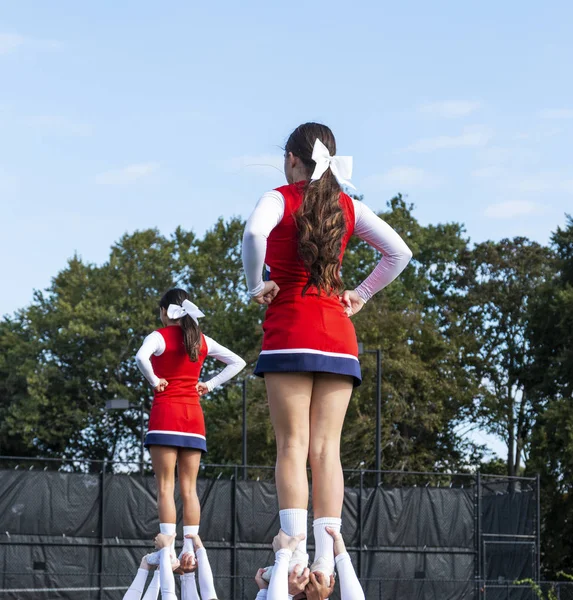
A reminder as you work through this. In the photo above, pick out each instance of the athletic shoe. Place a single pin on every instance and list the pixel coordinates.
(323, 565)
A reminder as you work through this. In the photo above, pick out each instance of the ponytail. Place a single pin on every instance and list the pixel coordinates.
(189, 325)
(191, 337)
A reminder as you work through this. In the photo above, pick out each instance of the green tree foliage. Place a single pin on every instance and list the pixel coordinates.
(551, 334)
(73, 348)
(495, 286)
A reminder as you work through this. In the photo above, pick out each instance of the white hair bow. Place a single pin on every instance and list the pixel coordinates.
(341, 166)
(174, 311)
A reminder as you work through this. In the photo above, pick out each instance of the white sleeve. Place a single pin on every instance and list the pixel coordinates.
(378, 234)
(136, 588)
(262, 595)
(278, 588)
(234, 362)
(350, 588)
(153, 344)
(152, 592)
(189, 587)
(267, 215)
(206, 583)
(166, 575)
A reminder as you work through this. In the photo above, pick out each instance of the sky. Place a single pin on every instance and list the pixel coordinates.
(118, 116)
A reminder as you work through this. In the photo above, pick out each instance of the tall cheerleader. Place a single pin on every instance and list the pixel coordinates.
(309, 357)
(171, 359)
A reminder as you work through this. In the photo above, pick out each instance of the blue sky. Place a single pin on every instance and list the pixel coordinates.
(119, 116)
(116, 116)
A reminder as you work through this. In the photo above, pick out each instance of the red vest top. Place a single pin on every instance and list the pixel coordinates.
(177, 368)
(286, 267)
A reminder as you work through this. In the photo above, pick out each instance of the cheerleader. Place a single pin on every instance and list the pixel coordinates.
(309, 357)
(171, 359)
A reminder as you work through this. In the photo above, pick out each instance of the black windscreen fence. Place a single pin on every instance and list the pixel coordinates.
(66, 534)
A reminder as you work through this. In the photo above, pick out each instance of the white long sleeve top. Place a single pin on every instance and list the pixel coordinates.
(154, 344)
(269, 212)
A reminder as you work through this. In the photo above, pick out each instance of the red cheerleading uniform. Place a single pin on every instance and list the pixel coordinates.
(176, 417)
(311, 332)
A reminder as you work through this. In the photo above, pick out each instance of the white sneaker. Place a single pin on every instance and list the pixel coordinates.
(298, 561)
(323, 565)
(153, 559)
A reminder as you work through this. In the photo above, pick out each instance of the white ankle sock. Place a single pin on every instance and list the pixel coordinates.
(187, 542)
(293, 522)
(168, 529)
(323, 542)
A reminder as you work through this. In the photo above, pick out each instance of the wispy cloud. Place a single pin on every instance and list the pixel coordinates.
(471, 137)
(127, 175)
(403, 178)
(450, 109)
(11, 42)
(557, 113)
(509, 210)
(257, 163)
(57, 124)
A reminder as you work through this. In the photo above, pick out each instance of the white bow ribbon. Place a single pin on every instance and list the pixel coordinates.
(174, 311)
(341, 166)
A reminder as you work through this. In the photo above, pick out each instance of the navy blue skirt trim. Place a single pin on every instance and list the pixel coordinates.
(172, 438)
(303, 362)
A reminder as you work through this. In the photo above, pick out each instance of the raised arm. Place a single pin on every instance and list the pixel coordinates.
(206, 582)
(152, 592)
(278, 587)
(166, 575)
(138, 584)
(267, 215)
(152, 344)
(395, 253)
(235, 364)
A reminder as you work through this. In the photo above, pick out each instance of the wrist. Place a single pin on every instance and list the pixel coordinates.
(362, 294)
(257, 289)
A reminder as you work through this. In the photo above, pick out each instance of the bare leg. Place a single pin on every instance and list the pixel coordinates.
(330, 397)
(163, 459)
(188, 461)
(289, 397)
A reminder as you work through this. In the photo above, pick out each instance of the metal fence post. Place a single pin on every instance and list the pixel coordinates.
(102, 528)
(477, 531)
(244, 430)
(234, 533)
(378, 414)
(360, 528)
(538, 527)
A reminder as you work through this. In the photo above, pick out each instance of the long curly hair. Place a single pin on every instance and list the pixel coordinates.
(320, 220)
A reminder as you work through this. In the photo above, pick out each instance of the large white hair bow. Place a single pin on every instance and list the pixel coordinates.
(174, 311)
(341, 166)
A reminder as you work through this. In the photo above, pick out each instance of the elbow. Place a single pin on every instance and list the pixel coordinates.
(407, 255)
(241, 364)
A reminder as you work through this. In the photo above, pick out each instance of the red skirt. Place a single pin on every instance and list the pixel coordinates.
(308, 333)
(179, 424)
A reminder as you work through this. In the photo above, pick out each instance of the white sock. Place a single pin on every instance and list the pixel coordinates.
(323, 542)
(293, 522)
(169, 529)
(188, 543)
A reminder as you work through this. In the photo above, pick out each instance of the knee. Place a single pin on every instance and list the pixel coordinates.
(165, 488)
(323, 451)
(293, 445)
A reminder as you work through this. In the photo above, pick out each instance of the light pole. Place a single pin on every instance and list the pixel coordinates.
(378, 353)
(125, 404)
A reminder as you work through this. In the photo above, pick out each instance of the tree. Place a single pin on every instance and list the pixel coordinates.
(496, 284)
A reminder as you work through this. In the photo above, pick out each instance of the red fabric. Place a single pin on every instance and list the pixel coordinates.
(310, 321)
(178, 407)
